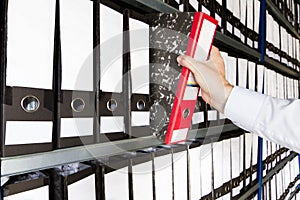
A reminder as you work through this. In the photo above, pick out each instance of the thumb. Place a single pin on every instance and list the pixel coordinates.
(188, 62)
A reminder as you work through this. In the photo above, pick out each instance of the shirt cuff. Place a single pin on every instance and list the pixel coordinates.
(243, 107)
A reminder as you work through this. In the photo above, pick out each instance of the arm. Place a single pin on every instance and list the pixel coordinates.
(271, 118)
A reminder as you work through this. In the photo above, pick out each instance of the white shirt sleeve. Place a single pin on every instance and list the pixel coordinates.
(276, 120)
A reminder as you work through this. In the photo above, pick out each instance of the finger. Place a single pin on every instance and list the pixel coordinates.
(188, 62)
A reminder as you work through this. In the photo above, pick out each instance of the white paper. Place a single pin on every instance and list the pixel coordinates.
(139, 118)
(198, 117)
(83, 189)
(26, 132)
(231, 70)
(112, 124)
(76, 18)
(248, 152)
(194, 4)
(260, 75)
(242, 70)
(243, 6)
(180, 178)
(218, 164)
(139, 56)
(250, 12)
(142, 181)
(230, 5)
(76, 127)
(117, 181)
(206, 169)
(235, 154)
(111, 49)
(256, 15)
(212, 115)
(251, 75)
(195, 173)
(163, 177)
(30, 24)
(226, 165)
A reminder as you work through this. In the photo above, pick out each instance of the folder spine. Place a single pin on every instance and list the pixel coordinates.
(187, 91)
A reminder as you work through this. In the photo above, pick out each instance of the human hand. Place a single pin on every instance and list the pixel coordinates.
(210, 76)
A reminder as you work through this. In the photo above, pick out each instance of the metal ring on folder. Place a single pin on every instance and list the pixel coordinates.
(112, 105)
(78, 105)
(30, 103)
(141, 104)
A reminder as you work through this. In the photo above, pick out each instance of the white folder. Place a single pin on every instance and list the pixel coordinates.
(117, 181)
(139, 55)
(111, 51)
(249, 19)
(225, 59)
(256, 18)
(194, 4)
(269, 32)
(180, 178)
(237, 13)
(163, 177)
(251, 75)
(230, 7)
(206, 169)
(260, 75)
(83, 189)
(76, 18)
(242, 70)
(226, 164)
(195, 178)
(218, 164)
(235, 164)
(142, 181)
(276, 38)
(248, 152)
(30, 25)
(231, 70)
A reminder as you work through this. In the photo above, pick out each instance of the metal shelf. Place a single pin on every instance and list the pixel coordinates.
(277, 66)
(33, 162)
(267, 177)
(279, 16)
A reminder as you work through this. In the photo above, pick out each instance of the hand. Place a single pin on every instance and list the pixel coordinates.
(210, 76)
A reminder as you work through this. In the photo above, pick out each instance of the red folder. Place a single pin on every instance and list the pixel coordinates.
(201, 38)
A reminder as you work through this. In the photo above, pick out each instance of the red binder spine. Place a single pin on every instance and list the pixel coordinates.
(187, 91)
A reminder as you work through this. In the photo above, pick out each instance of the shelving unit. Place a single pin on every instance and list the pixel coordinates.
(16, 165)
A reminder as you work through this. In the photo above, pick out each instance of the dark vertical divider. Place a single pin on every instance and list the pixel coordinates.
(3, 45)
(96, 68)
(100, 182)
(127, 85)
(58, 186)
(57, 76)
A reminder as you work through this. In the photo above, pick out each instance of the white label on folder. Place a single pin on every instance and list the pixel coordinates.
(205, 40)
(74, 127)
(30, 37)
(21, 132)
(179, 135)
(77, 44)
(190, 93)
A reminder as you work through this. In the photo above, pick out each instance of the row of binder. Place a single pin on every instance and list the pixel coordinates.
(33, 73)
(289, 9)
(278, 37)
(221, 168)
